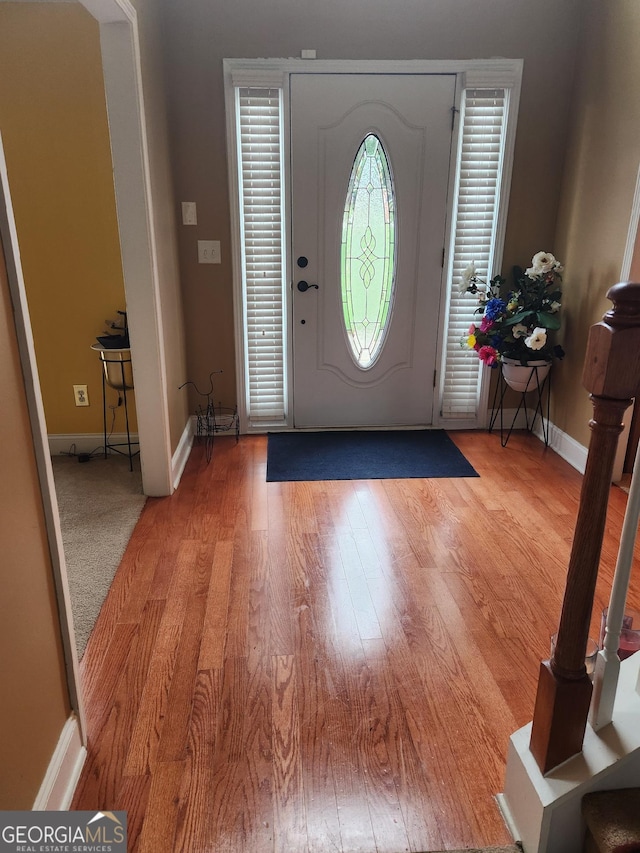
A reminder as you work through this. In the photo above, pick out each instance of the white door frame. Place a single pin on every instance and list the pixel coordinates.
(39, 436)
(274, 73)
(123, 87)
(131, 175)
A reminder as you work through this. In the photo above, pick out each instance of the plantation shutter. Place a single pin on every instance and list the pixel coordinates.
(475, 217)
(261, 218)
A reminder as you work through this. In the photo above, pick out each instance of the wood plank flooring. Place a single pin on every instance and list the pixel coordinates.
(330, 666)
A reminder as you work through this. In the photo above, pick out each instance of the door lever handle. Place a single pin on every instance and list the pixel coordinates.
(303, 286)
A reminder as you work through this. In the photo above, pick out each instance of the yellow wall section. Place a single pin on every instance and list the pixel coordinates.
(54, 126)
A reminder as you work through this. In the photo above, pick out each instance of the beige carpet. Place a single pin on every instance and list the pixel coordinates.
(100, 502)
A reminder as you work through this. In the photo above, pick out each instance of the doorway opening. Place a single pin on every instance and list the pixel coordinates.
(125, 104)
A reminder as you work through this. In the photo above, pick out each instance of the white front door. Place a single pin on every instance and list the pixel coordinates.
(370, 174)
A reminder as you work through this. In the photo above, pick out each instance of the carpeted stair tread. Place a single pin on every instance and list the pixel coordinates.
(613, 820)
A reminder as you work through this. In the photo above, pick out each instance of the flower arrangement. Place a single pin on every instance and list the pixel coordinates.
(515, 324)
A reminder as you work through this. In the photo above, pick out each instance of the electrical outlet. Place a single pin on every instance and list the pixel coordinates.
(81, 395)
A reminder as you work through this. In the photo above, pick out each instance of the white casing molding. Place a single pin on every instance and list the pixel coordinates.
(122, 72)
(37, 419)
(63, 772)
(183, 450)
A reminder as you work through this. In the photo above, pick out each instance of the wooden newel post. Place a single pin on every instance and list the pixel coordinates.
(611, 374)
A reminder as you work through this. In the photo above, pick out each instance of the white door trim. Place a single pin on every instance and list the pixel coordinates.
(40, 441)
(131, 174)
(271, 73)
(123, 85)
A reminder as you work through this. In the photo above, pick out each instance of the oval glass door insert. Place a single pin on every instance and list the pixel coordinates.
(368, 252)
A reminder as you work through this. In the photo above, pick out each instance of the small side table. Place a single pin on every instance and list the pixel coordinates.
(537, 405)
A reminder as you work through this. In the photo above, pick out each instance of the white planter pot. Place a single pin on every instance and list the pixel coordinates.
(525, 377)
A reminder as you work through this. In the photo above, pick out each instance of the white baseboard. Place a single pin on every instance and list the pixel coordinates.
(93, 442)
(570, 449)
(61, 778)
(183, 450)
(86, 442)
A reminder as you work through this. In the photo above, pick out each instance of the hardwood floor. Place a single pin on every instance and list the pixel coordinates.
(329, 666)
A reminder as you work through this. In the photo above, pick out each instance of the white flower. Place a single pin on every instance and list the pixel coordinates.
(519, 331)
(541, 264)
(554, 307)
(467, 275)
(537, 339)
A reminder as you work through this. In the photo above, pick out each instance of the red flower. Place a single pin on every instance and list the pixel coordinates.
(489, 355)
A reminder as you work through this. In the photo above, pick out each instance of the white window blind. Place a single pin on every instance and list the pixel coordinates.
(475, 218)
(261, 217)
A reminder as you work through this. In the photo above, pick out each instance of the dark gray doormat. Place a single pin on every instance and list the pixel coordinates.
(364, 455)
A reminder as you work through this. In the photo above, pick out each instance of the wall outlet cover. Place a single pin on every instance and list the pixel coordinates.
(81, 395)
(209, 251)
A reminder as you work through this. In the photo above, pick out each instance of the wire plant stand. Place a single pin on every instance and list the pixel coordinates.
(213, 418)
(540, 389)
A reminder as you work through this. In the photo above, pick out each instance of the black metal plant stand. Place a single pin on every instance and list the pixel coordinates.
(212, 418)
(122, 390)
(538, 405)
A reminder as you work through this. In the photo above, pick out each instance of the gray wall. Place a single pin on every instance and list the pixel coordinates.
(200, 33)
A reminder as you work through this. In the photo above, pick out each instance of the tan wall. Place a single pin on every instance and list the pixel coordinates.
(198, 36)
(34, 703)
(54, 125)
(601, 169)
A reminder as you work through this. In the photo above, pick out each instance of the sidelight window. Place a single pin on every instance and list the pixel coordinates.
(475, 227)
(259, 113)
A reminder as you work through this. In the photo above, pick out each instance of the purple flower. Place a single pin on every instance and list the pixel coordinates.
(494, 308)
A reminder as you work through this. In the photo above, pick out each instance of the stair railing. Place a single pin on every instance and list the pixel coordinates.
(607, 669)
(612, 375)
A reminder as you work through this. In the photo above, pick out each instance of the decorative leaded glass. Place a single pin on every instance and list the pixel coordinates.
(368, 255)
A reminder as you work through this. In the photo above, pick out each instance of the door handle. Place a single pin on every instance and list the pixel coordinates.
(303, 286)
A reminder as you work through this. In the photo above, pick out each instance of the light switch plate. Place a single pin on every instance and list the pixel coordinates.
(189, 213)
(209, 252)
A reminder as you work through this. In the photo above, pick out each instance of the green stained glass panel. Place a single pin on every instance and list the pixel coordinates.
(368, 252)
